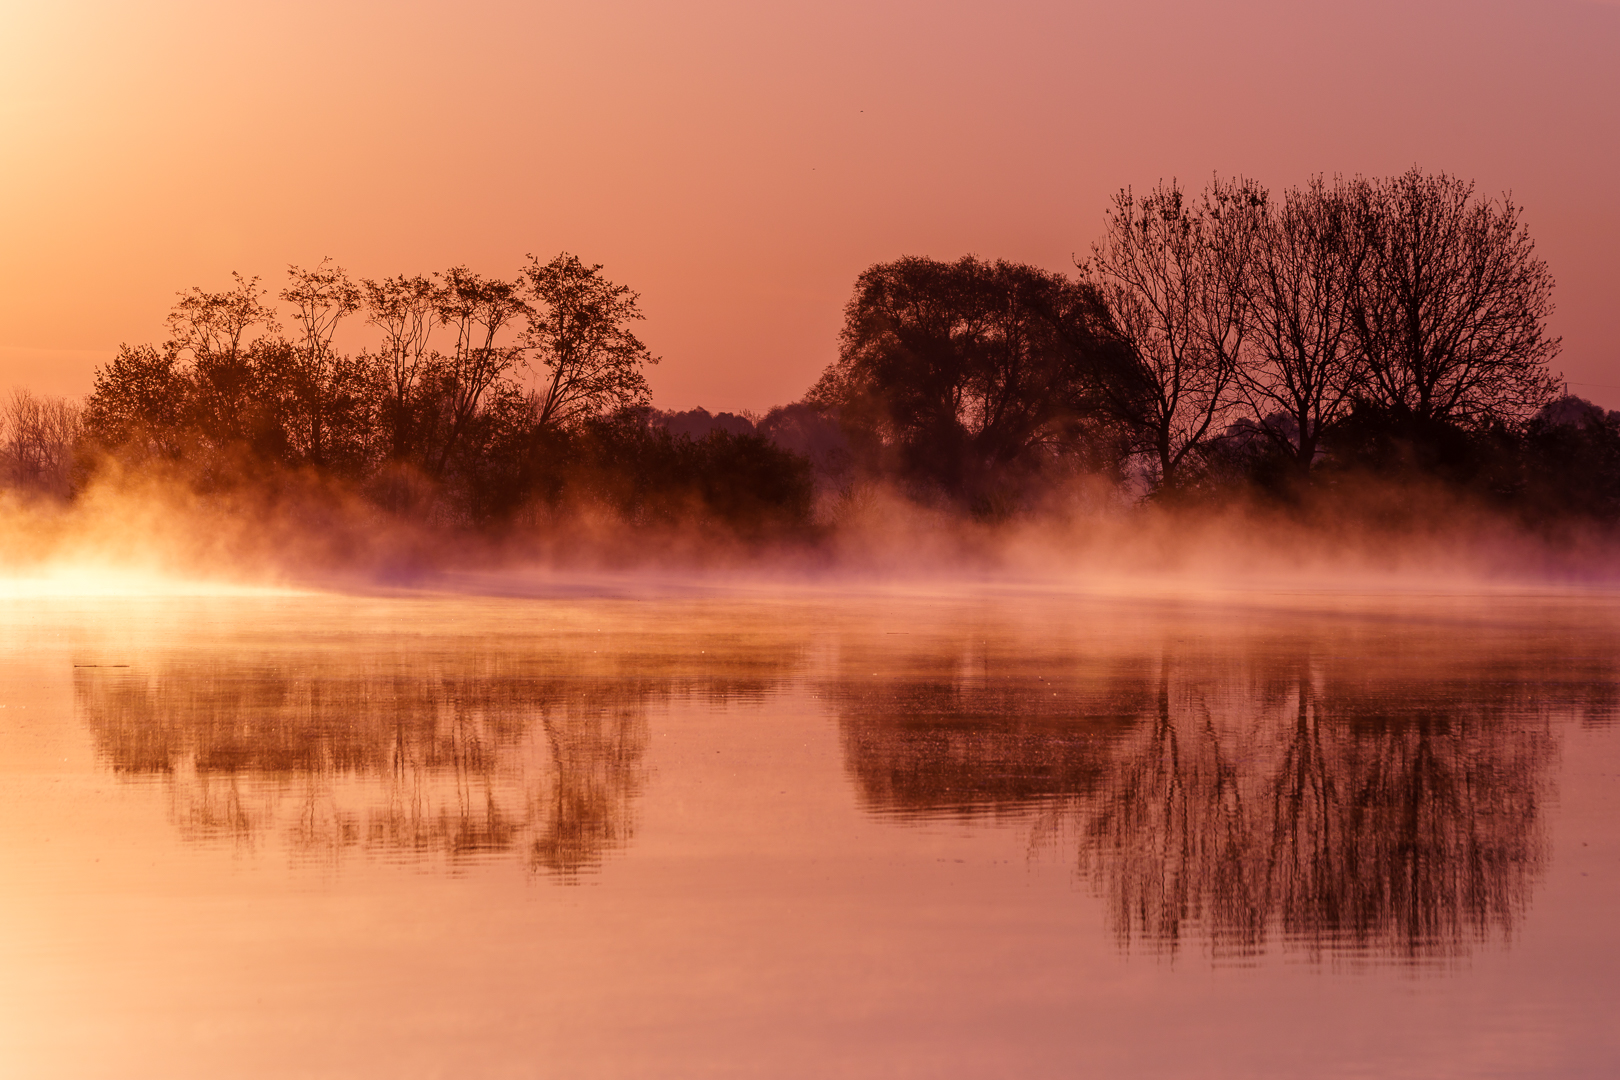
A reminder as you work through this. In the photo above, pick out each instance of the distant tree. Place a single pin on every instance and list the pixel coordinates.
(579, 342)
(699, 422)
(812, 433)
(405, 310)
(325, 396)
(1451, 304)
(477, 309)
(968, 375)
(649, 476)
(1170, 270)
(1301, 362)
(37, 440)
(140, 403)
(1570, 462)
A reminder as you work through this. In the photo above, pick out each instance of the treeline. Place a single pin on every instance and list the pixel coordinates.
(1295, 347)
(1365, 329)
(483, 399)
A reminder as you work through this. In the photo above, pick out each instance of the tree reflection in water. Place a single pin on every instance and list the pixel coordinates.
(452, 756)
(1255, 793)
(1359, 786)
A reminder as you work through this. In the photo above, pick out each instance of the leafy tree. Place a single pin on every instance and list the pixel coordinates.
(405, 310)
(579, 334)
(477, 309)
(214, 325)
(969, 375)
(230, 404)
(140, 403)
(325, 396)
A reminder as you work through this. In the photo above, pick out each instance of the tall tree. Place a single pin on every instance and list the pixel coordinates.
(1169, 270)
(579, 334)
(1451, 307)
(478, 310)
(1302, 363)
(404, 309)
(326, 394)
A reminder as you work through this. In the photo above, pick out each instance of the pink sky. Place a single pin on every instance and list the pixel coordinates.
(739, 164)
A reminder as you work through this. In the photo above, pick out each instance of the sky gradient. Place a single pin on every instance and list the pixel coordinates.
(740, 164)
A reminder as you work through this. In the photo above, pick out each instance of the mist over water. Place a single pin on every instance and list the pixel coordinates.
(142, 535)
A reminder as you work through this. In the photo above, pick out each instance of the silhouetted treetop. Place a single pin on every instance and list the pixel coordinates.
(963, 374)
(579, 333)
(1451, 304)
(1168, 270)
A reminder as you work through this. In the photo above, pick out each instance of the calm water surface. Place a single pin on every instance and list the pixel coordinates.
(1002, 834)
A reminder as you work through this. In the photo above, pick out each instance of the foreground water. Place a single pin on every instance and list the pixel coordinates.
(999, 834)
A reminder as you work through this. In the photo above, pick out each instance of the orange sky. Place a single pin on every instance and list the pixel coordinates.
(739, 164)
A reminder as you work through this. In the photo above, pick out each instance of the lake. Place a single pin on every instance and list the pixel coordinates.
(612, 830)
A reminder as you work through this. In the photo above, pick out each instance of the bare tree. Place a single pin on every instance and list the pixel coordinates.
(37, 438)
(1302, 362)
(1169, 270)
(579, 331)
(1451, 307)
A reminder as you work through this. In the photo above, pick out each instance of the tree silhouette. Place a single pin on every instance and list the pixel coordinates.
(1450, 308)
(477, 309)
(405, 310)
(1302, 364)
(1170, 272)
(579, 332)
(972, 375)
(327, 396)
(38, 436)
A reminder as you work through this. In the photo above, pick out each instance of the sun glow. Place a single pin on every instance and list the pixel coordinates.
(86, 580)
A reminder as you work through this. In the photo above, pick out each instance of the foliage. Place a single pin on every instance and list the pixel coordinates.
(578, 331)
(460, 435)
(971, 375)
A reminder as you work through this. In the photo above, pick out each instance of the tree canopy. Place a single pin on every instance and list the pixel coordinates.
(970, 374)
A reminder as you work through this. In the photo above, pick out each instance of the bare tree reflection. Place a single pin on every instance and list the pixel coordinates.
(1358, 816)
(1265, 795)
